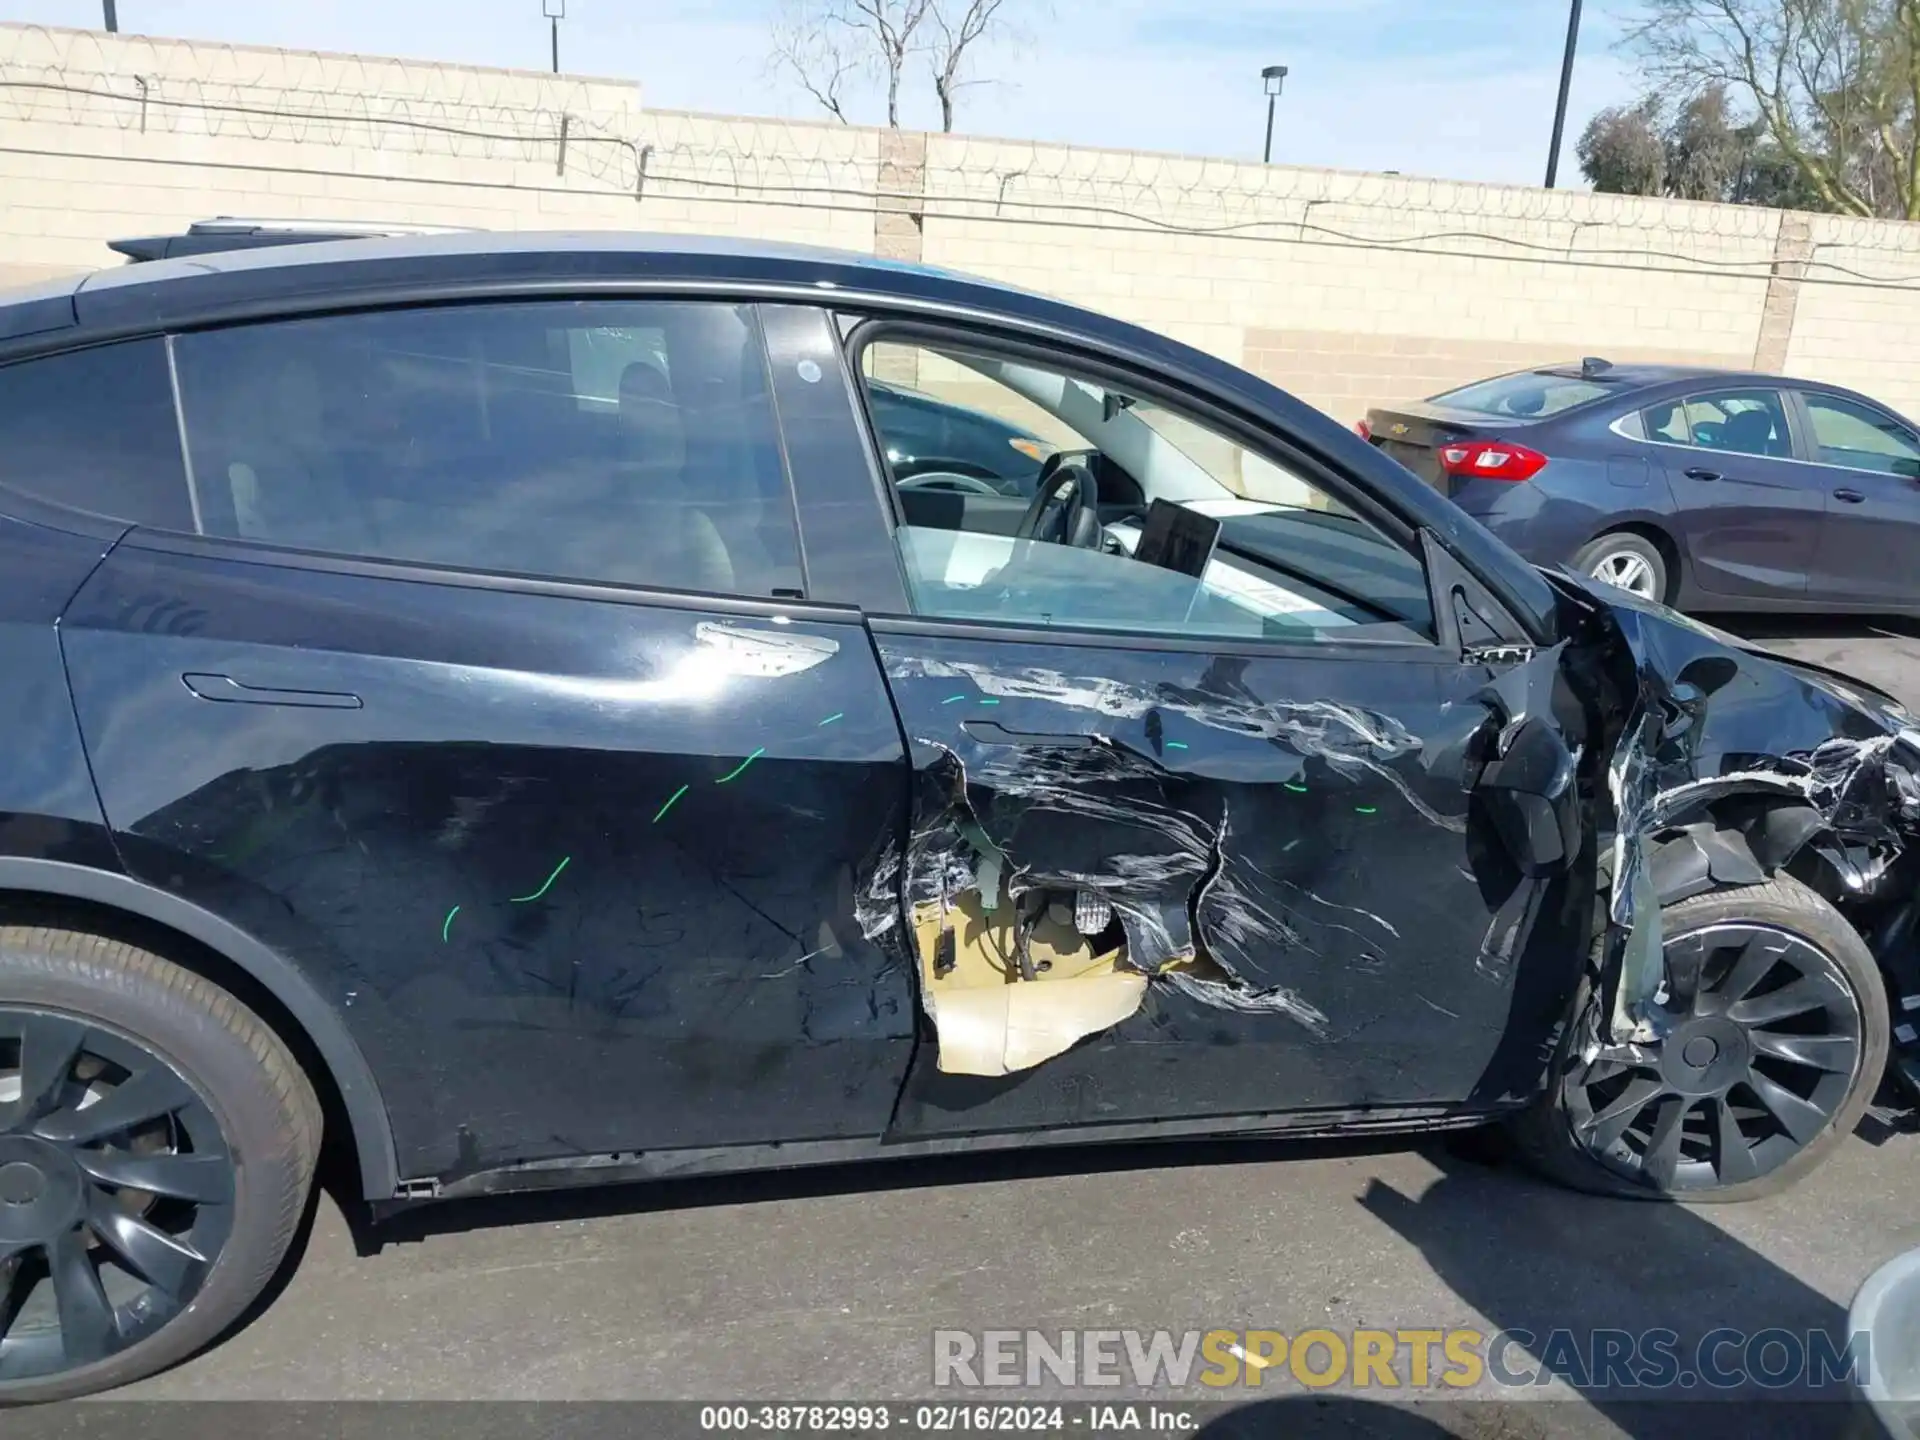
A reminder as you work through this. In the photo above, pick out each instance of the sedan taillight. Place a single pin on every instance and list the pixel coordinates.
(1491, 460)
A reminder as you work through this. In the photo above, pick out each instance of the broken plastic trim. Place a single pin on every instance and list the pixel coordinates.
(1863, 794)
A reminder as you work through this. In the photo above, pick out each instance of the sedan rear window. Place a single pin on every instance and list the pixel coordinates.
(1526, 395)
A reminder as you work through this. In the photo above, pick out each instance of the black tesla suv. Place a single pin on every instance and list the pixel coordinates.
(491, 701)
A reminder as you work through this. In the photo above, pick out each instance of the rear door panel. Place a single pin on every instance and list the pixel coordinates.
(582, 873)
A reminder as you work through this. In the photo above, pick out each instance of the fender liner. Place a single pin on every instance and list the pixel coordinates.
(1731, 848)
(366, 1112)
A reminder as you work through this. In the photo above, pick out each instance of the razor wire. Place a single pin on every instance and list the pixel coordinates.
(291, 112)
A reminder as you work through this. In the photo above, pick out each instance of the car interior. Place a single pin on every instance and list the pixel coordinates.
(1751, 423)
(1108, 539)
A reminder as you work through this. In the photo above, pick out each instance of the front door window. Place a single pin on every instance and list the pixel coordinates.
(1136, 519)
(1857, 438)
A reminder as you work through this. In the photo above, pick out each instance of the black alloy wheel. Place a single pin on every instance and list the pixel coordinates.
(116, 1192)
(158, 1142)
(1763, 1049)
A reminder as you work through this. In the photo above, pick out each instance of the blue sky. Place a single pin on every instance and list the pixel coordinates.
(1455, 88)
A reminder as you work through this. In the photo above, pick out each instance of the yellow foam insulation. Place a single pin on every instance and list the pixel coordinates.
(992, 1022)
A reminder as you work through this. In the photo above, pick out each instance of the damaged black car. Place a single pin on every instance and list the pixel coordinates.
(488, 703)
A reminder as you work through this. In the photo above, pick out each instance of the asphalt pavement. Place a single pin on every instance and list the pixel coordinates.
(830, 1283)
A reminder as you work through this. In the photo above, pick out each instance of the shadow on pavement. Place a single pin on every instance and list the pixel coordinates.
(1551, 1269)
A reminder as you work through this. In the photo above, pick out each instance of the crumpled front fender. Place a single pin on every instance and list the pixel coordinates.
(1727, 766)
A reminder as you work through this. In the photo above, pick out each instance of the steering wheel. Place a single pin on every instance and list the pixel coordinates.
(950, 480)
(1061, 508)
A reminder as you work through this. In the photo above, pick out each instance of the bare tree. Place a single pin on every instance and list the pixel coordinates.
(1622, 151)
(826, 45)
(956, 26)
(816, 57)
(1833, 84)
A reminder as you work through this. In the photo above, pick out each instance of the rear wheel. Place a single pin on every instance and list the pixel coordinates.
(157, 1145)
(1628, 561)
(1776, 1035)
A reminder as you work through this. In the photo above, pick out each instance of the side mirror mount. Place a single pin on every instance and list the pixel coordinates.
(1529, 789)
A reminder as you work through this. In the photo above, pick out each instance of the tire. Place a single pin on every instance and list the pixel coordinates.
(1733, 931)
(231, 1157)
(1621, 554)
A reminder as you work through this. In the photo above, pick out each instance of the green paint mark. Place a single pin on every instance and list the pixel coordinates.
(1175, 745)
(669, 805)
(953, 700)
(733, 773)
(989, 702)
(447, 924)
(831, 718)
(1365, 810)
(1297, 789)
(529, 899)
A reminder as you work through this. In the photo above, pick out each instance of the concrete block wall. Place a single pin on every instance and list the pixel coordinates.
(1348, 289)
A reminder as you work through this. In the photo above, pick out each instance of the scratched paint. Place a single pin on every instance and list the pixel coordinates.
(741, 768)
(545, 885)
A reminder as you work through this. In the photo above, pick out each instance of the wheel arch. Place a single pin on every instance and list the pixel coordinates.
(319, 1038)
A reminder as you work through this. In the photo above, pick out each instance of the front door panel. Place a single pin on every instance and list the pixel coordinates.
(582, 875)
(1290, 836)
(1870, 550)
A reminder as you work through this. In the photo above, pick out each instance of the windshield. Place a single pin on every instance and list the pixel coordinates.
(1527, 395)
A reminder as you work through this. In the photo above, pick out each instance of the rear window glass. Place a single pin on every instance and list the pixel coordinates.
(631, 442)
(95, 430)
(1526, 395)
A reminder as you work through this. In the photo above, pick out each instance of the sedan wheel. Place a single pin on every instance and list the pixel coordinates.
(1627, 561)
(1774, 1034)
(1626, 570)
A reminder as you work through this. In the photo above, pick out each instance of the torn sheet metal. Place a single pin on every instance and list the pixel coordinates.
(1707, 728)
(1262, 856)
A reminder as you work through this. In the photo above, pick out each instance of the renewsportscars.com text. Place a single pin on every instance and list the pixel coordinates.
(1410, 1359)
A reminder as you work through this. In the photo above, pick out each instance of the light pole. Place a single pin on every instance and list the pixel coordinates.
(1275, 76)
(1566, 83)
(112, 16)
(555, 11)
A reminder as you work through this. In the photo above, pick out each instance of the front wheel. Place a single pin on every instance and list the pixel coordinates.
(157, 1146)
(1776, 1034)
